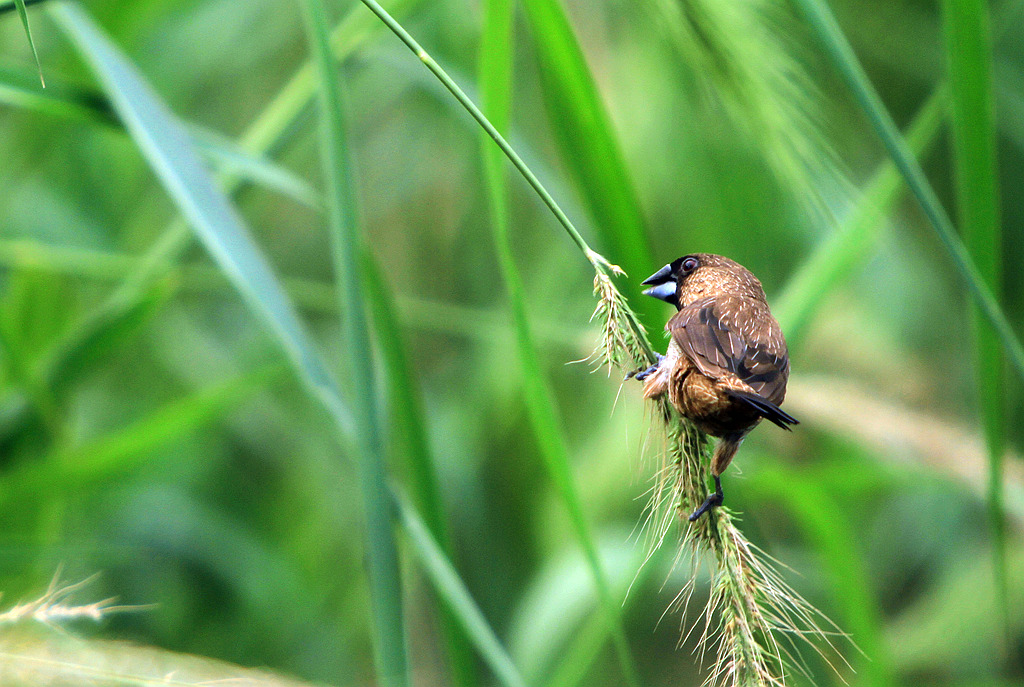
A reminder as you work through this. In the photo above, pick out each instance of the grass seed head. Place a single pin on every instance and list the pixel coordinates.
(618, 346)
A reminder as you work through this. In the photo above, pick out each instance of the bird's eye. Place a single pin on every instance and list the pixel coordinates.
(690, 264)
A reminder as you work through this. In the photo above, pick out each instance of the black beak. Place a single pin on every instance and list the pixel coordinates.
(663, 285)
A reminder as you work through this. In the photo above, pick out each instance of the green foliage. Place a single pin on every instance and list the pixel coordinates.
(837, 257)
(163, 431)
(167, 148)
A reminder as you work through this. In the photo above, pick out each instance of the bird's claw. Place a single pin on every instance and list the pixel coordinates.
(642, 375)
(714, 500)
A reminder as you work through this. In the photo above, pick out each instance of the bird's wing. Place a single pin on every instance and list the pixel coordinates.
(730, 337)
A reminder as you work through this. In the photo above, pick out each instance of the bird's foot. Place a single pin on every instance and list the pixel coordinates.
(713, 500)
(641, 376)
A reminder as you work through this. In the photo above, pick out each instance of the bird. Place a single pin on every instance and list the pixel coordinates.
(727, 363)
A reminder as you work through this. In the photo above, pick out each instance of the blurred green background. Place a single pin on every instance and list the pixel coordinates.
(172, 450)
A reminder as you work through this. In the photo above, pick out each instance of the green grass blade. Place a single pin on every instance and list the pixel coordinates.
(829, 531)
(23, 13)
(165, 144)
(385, 578)
(71, 359)
(233, 160)
(823, 23)
(838, 256)
(117, 454)
(586, 138)
(411, 436)
(19, 88)
(495, 76)
(969, 57)
(451, 588)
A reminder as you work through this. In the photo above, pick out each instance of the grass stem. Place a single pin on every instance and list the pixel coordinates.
(385, 581)
(973, 119)
(599, 262)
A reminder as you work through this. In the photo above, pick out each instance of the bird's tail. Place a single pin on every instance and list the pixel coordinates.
(764, 408)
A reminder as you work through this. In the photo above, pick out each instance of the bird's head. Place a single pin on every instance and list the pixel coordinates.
(698, 275)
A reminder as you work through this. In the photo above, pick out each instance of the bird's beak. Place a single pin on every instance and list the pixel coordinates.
(663, 285)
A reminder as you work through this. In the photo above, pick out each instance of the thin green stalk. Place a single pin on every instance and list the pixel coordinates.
(969, 57)
(385, 577)
(601, 265)
(31, 43)
(451, 588)
(495, 77)
(410, 431)
(583, 130)
(823, 23)
(12, 5)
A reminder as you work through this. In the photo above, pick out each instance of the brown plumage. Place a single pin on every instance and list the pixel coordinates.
(727, 365)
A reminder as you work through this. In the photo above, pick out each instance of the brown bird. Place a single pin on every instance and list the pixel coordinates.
(727, 365)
